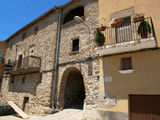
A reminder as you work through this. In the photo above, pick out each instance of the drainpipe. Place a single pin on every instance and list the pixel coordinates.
(56, 59)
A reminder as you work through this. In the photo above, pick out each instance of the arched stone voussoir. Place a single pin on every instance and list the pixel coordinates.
(62, 80)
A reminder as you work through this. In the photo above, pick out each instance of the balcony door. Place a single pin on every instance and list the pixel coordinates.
(19, 62)
(124, 32)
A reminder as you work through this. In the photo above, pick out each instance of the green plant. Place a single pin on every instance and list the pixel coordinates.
(144, 29)
(100, 38)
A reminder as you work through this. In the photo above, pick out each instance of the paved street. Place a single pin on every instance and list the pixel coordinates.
(66, 114)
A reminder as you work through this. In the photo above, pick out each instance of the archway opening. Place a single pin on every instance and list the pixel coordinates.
(79, 11)
(74, 90)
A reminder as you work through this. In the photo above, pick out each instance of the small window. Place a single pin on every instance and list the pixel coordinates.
(20, 61)
(25, 101)
(1, 53)
(75, 45)
(9, 61)
(1, 57)
(1, 60)
(11, 46)
(12, 79)
(23, 79)
(126, 63)
(23, 35)
(36, 29)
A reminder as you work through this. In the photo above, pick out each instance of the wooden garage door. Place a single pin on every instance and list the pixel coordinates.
(144, 107)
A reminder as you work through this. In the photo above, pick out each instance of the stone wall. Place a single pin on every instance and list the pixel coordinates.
(37, 86)
(42, 44)
(80, 60)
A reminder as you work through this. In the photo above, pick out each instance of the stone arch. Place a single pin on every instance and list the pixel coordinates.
(74, 11)
(63, 82)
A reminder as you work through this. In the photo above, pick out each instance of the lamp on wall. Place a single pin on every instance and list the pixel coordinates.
(78, 20)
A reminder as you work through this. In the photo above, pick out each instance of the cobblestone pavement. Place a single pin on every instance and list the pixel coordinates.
(66, 114)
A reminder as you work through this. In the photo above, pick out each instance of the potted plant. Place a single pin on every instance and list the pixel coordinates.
(100, 38)
(117, 23)
(138, 17)
(102, 28)
(144, 29)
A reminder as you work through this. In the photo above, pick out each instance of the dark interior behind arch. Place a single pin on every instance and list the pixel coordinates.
(79, 11)
(74, 90)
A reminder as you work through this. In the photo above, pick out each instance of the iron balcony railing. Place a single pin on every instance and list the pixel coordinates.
(127, 32)
(24, 63)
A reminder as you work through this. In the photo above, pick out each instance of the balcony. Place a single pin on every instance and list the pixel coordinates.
(29, 64)
(126, 39)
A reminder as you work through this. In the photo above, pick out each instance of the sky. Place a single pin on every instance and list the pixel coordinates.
(15, 14)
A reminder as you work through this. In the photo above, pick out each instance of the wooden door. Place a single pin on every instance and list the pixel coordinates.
(144, 107)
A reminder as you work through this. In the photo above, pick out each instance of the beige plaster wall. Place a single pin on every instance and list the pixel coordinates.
(151, 8)
(143, 80)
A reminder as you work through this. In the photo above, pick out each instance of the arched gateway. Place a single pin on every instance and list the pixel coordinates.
(72, 89)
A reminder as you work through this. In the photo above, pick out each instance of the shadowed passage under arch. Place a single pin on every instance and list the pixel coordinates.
(74, 93)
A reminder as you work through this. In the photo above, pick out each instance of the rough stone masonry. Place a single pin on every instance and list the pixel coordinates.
(37, 87)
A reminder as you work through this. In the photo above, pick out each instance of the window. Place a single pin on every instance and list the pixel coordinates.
(25, 101)
(9, 61)
(23, 35)
(23, 79)
(1, 60)
(11, 46)
(75, 45)
(126, 21)
(12, 79)
(126, 63)
(1, 57)
(1, 53)
(79, 11)
(19, 61)
(36, 29)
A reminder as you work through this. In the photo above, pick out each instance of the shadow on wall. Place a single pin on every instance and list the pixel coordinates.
(24, 83)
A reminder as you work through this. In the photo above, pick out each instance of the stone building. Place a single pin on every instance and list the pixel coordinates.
(51, 62)
(54, 63)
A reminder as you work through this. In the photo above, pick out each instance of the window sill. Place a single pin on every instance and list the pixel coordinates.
(73, 53)
(126, 71)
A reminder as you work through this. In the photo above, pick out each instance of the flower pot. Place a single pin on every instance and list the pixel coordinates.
(100, 44)
(101, 28)
(140, 19)
(144, 36)
(116, 24)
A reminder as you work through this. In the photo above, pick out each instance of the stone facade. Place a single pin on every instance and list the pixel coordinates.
(38, 86)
